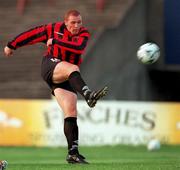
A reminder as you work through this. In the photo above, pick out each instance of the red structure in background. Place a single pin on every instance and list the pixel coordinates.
(21, 4)
(100, 5)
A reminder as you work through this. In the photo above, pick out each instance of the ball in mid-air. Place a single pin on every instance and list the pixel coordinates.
(148, 53)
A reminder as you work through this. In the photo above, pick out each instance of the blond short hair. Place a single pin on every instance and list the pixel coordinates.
(71, 12)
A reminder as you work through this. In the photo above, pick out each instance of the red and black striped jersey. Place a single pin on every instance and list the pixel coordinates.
(66, 47)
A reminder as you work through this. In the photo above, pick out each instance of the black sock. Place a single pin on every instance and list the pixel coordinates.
(78, 83)
(71, 133)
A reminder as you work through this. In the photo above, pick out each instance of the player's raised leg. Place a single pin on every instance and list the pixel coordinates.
(71, 72)
(79, 85)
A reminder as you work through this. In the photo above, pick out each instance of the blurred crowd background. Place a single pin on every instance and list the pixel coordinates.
(117, 27)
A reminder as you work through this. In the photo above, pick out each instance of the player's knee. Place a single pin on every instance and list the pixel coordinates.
(70, 108)
(73, 68)
(71, 113)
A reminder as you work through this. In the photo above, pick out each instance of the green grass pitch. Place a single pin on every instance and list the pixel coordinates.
(120, 157)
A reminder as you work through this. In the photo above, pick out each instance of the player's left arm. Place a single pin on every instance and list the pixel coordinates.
(77, 46)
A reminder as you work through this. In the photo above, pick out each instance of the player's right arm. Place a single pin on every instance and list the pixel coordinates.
(8, 51)
(32, 36)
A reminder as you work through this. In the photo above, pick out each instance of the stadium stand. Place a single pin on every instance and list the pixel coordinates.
(20, 75)
(118, 28)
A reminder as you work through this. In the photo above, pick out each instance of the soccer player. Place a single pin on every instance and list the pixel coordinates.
(66, 42)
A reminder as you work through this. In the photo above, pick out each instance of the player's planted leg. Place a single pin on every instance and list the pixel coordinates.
(71, 133)
(76, 159)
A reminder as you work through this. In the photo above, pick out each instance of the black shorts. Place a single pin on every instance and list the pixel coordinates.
(47, 68)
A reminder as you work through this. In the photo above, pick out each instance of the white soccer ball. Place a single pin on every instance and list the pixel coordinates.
(148, 53)
(153, 144)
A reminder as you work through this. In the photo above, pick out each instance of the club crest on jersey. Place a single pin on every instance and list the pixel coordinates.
(55, 60)
(60, 35)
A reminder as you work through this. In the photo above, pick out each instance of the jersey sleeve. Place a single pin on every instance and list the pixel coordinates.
(32, 36)
(78, 46)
